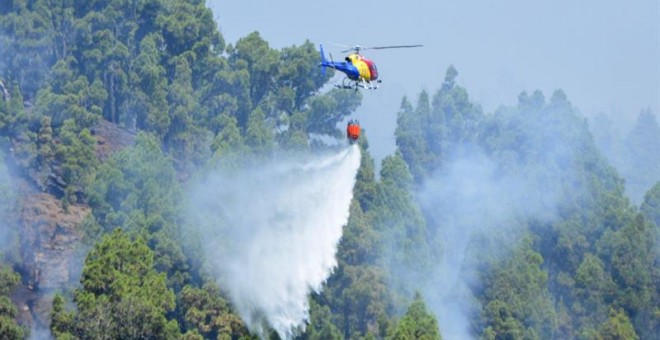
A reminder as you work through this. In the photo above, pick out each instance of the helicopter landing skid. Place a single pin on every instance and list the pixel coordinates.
(355, 84)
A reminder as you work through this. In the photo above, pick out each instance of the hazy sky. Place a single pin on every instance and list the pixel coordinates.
(604, 54)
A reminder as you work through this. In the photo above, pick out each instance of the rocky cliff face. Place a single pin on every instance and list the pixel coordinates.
(50, 251)
(50, 238)
(110, 139)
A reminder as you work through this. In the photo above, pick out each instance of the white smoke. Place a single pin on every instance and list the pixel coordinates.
(7, 207)
(483, 198)
(479, 211)
(271, 232)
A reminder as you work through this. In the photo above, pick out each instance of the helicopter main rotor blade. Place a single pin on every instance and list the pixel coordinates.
(396, 46)
(358, 48)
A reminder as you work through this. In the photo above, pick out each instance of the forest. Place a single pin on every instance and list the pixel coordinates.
(529, 222)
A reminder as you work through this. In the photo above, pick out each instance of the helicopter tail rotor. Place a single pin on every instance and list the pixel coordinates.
(324, 62)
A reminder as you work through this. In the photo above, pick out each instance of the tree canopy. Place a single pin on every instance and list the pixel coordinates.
(550, 244)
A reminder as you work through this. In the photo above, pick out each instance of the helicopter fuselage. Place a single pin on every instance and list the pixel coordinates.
(356, 67)
(366, 68)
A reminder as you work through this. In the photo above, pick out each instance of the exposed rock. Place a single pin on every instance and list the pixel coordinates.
(110, 139)
(51, 253)
(50, 239)
(23, 297)
(49, 246)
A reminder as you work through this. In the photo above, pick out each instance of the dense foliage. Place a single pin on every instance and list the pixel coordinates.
(581, 263)
(9, 329)
(588, 265)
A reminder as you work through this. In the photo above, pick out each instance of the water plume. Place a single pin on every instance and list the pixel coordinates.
(271, 232)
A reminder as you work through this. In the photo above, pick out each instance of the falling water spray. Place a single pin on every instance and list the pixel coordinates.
(271, 233)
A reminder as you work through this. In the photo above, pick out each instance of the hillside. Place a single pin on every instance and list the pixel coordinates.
(159, 182)
(51, 238)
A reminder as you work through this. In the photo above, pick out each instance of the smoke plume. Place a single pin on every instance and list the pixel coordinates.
(477, 212)
(7, 208)
(271, 232)
(635, 154)
(485, 197)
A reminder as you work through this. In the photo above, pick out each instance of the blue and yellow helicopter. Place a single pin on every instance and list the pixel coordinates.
(360, 72)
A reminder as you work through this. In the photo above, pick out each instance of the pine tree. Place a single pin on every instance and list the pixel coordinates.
(417, 323)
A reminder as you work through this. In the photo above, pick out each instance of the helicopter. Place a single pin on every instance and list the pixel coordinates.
(360, 72)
